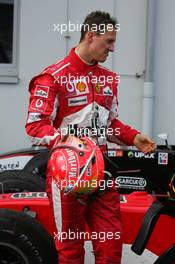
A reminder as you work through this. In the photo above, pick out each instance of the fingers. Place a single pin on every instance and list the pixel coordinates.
(148, 140)
(144, 143)
(149, 148)
(154, 146)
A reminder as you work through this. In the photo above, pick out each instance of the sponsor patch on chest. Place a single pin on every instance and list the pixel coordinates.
(107, 91)
(77, 87)
(76, 101)
(103, 90)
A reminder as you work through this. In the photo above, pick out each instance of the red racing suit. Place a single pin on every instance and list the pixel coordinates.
(70, 92)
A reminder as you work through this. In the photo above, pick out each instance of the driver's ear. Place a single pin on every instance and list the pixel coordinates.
(90, 36)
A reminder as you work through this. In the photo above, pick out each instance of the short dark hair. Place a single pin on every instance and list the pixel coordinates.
(99, 19)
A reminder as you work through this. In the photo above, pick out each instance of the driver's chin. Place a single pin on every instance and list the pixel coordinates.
(102, 59)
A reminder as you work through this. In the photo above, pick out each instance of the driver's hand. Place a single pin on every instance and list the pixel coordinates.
(144, 143)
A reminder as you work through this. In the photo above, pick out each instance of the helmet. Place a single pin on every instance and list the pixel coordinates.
(76, 165)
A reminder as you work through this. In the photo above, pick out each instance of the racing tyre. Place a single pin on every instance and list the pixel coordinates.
(38, 164)
(20, 181)
(24, 241)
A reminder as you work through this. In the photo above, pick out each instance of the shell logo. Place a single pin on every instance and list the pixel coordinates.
(81, 86)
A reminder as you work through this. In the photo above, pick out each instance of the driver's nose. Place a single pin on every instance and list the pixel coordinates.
(111, 48)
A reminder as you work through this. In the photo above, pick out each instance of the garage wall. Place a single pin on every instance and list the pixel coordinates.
(129, 59)
(39, 46)
(164, 70)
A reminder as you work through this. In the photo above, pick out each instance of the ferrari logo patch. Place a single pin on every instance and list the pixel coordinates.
(97, 87)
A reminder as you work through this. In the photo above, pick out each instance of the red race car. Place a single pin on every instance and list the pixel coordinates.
(27, 229)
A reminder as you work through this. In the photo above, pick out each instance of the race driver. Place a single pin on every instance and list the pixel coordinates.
(78, 92)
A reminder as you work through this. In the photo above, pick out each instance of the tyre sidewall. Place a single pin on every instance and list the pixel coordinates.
(20, 231)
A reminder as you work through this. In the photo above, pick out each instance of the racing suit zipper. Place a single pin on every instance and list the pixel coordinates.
(94, 121)
(95, 114)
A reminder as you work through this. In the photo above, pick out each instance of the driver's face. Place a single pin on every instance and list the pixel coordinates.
(102, 44)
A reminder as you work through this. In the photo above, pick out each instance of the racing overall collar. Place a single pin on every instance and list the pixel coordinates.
(79, 64)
